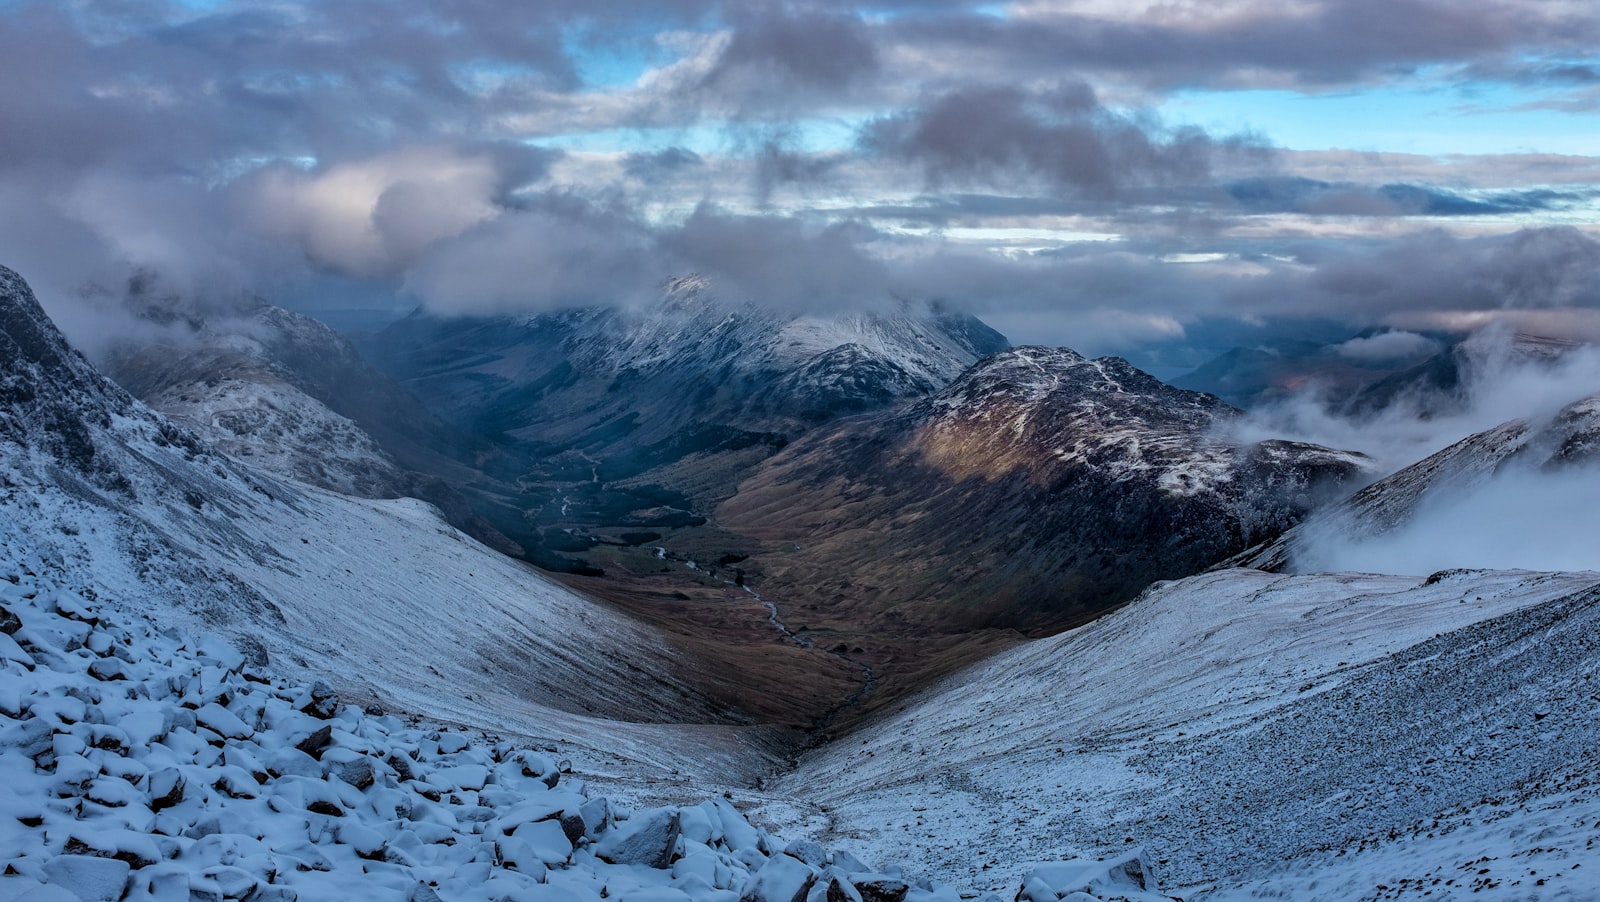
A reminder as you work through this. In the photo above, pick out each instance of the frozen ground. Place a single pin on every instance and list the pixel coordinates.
(1256, 733)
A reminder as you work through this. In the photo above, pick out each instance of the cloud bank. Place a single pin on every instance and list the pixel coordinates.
(1028, 162)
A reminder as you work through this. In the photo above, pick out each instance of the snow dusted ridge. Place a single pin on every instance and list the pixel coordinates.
(693, 325)
(1329, 736)
(1102, 414)
(139, 763)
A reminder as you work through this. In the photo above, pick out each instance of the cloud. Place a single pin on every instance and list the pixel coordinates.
(1520, 518)
(373, 218)
(654, 165)
(776, 53)
(783, 261)
(997, 135)
(1500, 379)
(1250, 44)
(1393, 346)
(556, 252)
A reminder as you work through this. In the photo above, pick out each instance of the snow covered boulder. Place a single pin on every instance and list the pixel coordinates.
(93, 879)
(781, 879)
(1123, 878)
(649, 839)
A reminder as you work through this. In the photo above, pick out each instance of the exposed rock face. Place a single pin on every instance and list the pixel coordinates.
(1037, 489)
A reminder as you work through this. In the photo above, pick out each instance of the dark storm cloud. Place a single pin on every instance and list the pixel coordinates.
(1320, 43)
(776, 52)
(996, 135)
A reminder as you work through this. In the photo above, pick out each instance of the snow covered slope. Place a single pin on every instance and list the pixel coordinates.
(381, 598)
(287, 394)
(1328, 736)
(139, 763)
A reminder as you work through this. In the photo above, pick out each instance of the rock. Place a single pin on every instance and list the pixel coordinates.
(402, 767)
(367, 842)
(878, 888)
(324, 702)
(811, 853)
(574, 826)
(649, 839)
(422, 892)
(1124, 875)
(357, 773)
(92, 879)
(314, 744)
(226, 724)
(11, 651)
(9, 621)
(222, 652)
(232, 882)
(834, 888)
(782, 879)
(535, 847)
(166, 788)
(596, 814)
(287, 762)
(20, 889)
(162, 883)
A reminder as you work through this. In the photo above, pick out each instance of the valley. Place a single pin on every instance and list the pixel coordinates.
(799, 652)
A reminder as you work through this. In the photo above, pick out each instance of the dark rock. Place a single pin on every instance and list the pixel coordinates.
(882, 889)
(358, 773)
(9, 622)
(573, 825)
(401, 765)
(324, 702)
(314, 744)
(166, 788)
(323, 806)
(841, 890)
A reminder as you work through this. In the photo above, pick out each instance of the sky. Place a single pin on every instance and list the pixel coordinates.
(1155, 179)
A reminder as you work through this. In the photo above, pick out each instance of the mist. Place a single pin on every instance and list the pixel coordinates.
(1521, 518)
(1498, 384)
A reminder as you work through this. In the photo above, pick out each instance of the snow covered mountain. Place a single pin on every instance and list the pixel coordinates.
(380, 598)
(1329, 736)
(1037, 489)
(604, 413)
